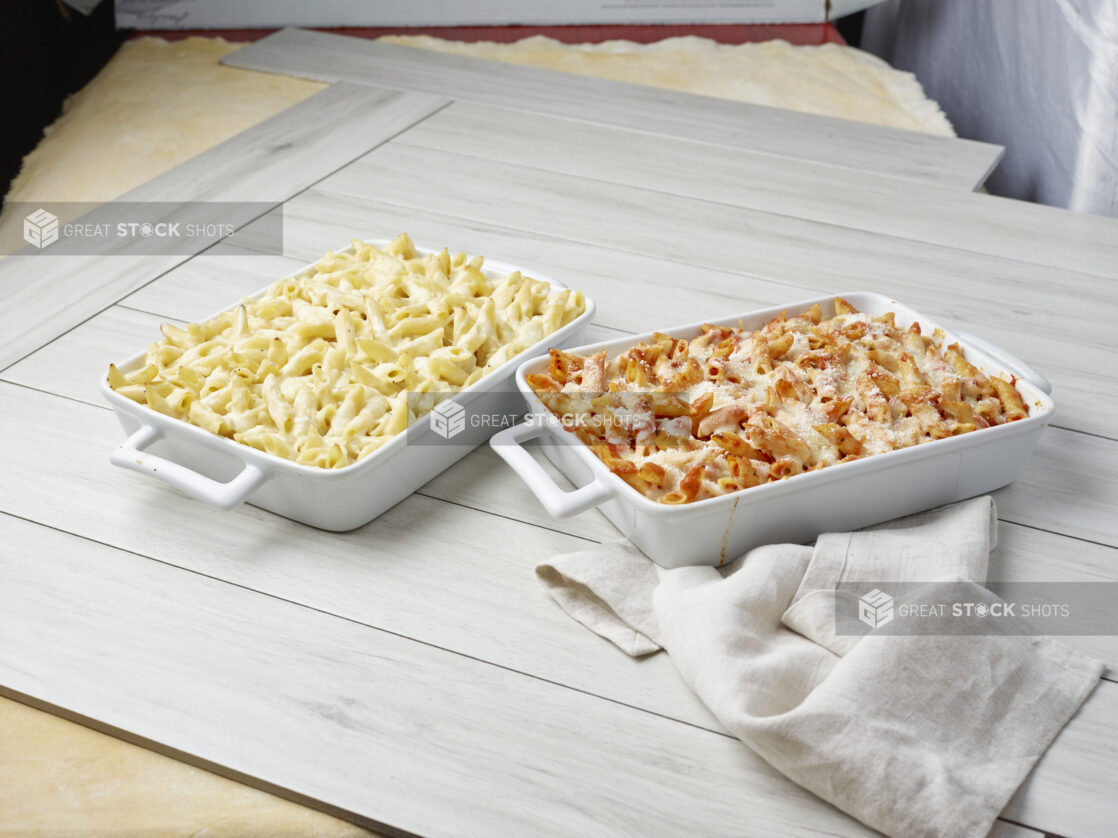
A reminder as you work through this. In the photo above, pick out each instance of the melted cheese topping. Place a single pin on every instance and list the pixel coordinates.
(730, 409)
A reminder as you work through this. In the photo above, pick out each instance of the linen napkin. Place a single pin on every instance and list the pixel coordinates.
(916, 736)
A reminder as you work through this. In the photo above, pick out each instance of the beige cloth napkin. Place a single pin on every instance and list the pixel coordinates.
(913, 735)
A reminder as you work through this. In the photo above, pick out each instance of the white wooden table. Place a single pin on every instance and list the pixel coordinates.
(412, 675)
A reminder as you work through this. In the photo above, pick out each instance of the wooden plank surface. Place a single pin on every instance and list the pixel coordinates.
(479, 597)
(909, 155)
(1065, 466)
(696, 232)
(1004, 829)
(385, 730)
(1017, 230)
(208, 284)
(63, 779)
(1085, 746)
(44, 295)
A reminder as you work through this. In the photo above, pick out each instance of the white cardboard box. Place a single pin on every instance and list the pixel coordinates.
(266, 14)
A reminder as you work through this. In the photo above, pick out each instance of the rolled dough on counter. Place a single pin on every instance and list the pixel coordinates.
(830, 80)
(155, 105)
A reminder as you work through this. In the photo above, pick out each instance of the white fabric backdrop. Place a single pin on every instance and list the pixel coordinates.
(1037, 76)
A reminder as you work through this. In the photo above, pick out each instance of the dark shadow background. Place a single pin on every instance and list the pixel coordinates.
(850, 27)
(47, 52)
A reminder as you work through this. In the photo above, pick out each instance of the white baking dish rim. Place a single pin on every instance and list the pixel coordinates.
(604, 485)
(259, 466)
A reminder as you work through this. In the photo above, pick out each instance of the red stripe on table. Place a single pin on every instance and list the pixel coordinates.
(801, 34)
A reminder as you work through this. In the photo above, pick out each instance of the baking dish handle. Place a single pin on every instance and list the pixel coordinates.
(559, 502)
(1011, 362)
(131, 455)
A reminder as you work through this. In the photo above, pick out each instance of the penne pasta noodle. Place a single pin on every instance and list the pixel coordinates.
(1012, 404)
(731, 409)
(319, 368)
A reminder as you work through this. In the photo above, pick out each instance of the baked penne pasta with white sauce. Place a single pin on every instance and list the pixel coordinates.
(327, 366)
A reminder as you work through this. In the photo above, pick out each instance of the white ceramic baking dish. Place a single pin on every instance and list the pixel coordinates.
(225, 473)
(835, 499)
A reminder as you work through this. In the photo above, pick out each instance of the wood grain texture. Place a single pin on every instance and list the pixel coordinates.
(834, 142)
(368, 724)
(177, 659)
(696, 232)
(442, 573)
(73, 364)
(1070, 486)
(45, 295)
(1017, 230)
(1004, 829)
(207, 284)
(1068, 805)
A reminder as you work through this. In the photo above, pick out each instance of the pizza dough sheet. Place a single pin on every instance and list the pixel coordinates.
(829, 80)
